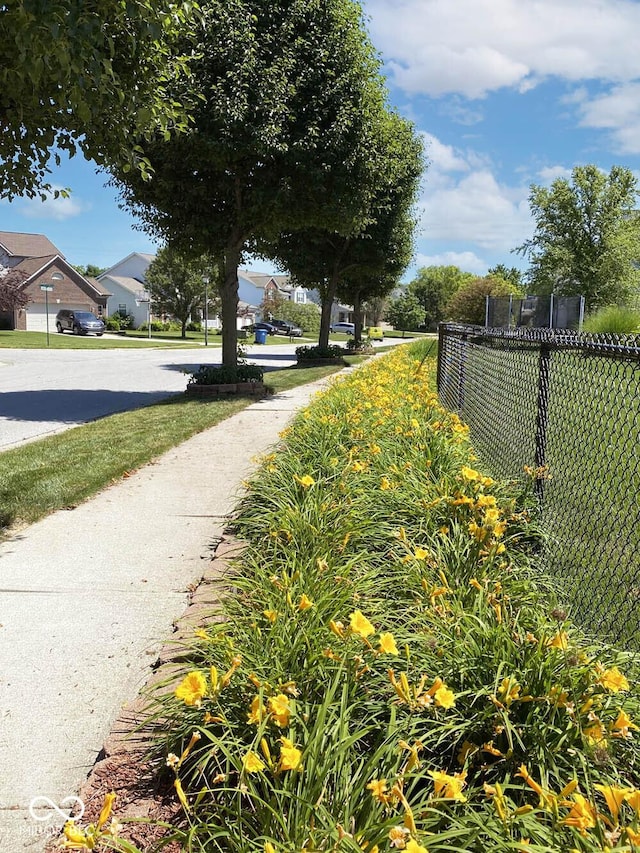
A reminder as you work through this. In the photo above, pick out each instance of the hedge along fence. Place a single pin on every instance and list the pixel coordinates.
(569, 405)
(390, 676)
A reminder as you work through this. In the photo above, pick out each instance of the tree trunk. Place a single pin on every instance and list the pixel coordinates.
(328, 295)
(229, 299)
(357, 316)
(183, 334)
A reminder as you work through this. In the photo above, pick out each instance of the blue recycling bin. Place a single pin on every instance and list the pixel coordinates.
(261, 336)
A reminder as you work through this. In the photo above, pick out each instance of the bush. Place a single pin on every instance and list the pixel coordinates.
(156, 326)
(194, 327)
(359, 346)
(613, 319)
(315, 352)
(220, 375)
(113, 323)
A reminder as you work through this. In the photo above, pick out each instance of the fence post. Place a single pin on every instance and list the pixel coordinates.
(542, 415)
(441, 339)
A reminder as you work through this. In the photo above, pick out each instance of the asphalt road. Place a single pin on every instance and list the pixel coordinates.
(47, 391)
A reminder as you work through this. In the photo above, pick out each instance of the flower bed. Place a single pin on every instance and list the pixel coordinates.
(393, 672)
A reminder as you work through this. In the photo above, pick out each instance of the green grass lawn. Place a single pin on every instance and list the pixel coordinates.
(38, 340)
(37, 479)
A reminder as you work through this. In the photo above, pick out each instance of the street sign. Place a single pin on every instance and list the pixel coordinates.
(48, 287)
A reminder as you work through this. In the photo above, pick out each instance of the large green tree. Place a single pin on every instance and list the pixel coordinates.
(587, 236)
(404, 312)
(280, 136)
(175, 283)
(89, 75)
(434, 288)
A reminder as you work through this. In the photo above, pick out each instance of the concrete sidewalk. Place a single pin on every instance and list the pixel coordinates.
(88, 596)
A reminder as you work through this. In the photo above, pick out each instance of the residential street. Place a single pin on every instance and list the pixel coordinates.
(47, 391)
(43, 392)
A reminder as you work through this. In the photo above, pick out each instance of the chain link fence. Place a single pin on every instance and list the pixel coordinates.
(570, 402)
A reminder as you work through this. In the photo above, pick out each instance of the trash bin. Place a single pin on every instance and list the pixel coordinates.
(261, 336)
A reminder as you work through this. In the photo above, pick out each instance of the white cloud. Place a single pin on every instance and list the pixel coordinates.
(550, 173)
(619, 112)
(464, 202)
(467, 261)
(472, 47)
(58, 209)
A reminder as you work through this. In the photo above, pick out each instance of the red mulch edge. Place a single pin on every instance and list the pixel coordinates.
(143, 791)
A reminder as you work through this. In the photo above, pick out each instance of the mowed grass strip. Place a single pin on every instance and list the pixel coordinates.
(66, 469)
(38, 340)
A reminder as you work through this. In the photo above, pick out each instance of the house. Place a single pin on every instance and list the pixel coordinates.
(45, 265)
(125, 282)
(253, 285)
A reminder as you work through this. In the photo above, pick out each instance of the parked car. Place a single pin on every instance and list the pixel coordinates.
(269, 328)
(345, 328)
(375, 333)
(79, 322)
(284, 327)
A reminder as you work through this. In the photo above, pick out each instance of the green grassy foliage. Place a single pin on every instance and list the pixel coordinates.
(392, 672)
(613, 319)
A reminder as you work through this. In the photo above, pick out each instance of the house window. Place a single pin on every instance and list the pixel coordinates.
(300, 296)
(57, 276)
(122, 310)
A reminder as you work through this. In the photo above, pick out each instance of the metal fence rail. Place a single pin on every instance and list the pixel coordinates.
(571, 402)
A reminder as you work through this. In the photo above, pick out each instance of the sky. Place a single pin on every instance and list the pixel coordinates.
(505, 93)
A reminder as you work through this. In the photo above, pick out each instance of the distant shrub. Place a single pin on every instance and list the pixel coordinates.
(113, 323)
(613, 319)
(220, 375)
(468, 305)
(194, 327)
(314, 352)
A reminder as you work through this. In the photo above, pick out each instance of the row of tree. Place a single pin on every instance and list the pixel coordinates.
(586, 243)
(293, 153)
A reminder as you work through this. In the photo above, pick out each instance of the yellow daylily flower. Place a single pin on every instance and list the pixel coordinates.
(305, 481)
(447, 787)
(559, 641)
(257, 712)
(633, 798)
(279, 709)
(388, 644)
(582, 815)
(622, 725)
(378, 790)
(192, 688)
(252, 763)
(360, 624)
(181, 795)
(444, 698)
(614, 797)
(413, 847)
(75, 837)
(305, 602)
(290, 756)
(107, 806)
(613, 680)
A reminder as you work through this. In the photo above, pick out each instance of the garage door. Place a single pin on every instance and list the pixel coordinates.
(37, 316)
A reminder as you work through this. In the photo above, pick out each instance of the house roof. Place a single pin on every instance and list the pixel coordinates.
(33, 266)
(147, 257)
(125, 281)
(28, 245)
(261, 279)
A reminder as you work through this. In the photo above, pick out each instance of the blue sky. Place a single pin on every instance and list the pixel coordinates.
(505, 92)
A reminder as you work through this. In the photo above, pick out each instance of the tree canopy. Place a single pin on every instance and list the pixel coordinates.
(84, 75)
(281, 136)
(468, 304)
(434, 288)
(12, 296)
(367, 260)
(175, 283)
(587, 236)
